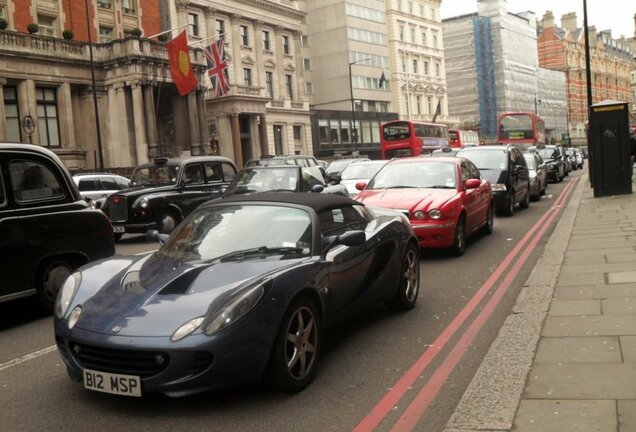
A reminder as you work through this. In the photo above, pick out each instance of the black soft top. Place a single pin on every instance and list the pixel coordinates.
(317, 201)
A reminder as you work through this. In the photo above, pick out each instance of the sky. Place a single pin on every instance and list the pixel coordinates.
(616, 15)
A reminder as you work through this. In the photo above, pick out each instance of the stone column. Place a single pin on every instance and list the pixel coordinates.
(182, 13)
(280, 63)
(28, 105)
(203, 122)
(210, 24)
(3, 116)
(258, 50)
(193, 124)
(236, 140)
(262, 135)
(300, 67)
(151, 120)
(236, 50)
(141, 139)
(65, 116)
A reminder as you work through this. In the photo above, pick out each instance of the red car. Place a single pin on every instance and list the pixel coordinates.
(444, 198)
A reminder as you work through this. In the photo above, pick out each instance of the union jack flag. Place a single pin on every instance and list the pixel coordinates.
(217, 67)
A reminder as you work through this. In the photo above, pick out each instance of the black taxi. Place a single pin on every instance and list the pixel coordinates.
(164, 191)
(47, 229)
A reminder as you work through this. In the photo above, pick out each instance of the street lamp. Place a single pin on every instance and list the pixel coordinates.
(97, 127)
(354, 131)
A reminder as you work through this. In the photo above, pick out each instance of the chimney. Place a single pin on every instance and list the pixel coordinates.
(548, 19)
(568, 21)
(591, 32)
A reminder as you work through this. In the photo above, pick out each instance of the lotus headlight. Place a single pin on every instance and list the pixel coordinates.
(66, 294)
(234, 309)
(498, 187)
(186, 329)
(435, 214)
(419, 215)
(143, 202)
(74, 317)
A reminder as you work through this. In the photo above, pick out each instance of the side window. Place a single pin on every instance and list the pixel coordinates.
(193, 174)
(108, 184)
(213, 172)
(474, 171)
(122, 183)
(228, 171)
(3, 195)
(340, 220)
(33, 181)
(312, 177)
(87, 184)
(465, 172)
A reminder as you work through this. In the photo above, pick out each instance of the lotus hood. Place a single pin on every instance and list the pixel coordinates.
(154, 296)
(403, 199)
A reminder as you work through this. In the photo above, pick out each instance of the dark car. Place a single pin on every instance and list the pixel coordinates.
(243, 289)
(538, 175)
(505, 168)
(567, 164)
(282, 178)
(336, 166)
(47, 229)
(164, 191)
(555, 167)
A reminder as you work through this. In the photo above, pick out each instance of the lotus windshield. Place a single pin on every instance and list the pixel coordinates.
(155, 175)
(241, 232)
(416, 174)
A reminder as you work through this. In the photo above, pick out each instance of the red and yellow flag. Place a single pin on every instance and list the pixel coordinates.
(180, 66)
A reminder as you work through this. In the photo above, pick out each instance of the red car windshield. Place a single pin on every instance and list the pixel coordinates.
(416, 174)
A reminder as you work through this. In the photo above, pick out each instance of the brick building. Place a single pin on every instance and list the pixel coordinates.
(563, 49)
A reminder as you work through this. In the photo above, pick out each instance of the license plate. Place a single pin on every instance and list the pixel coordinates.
(118, 229)
(127, 385)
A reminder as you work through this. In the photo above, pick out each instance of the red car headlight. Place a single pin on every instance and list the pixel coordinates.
(435, 214)
(419, 215)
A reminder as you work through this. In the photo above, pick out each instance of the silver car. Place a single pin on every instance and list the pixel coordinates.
(98, 186)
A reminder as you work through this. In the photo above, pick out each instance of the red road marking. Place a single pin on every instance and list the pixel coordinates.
(386, 404)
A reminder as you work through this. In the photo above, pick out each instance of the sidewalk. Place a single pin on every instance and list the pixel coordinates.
(565, 359)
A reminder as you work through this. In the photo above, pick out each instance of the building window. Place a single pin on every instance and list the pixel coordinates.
(304, 40)
(266, 41)
(383, 106)
(323, 131)
(402, 34)
(425, 68)
(419, 104)
(105, 4)
(424, 38)
(298, 130)
(429, 104)
(309, 88)
(286, 44)
(371, 106)
(357, 105)
(128, 7)
(413, 35)
(403, 64)
(244, 36)
(220, 27)
(12, 114)
(47, 117)
(193, 25)
(307, 64)
(434, 41)
(288, 85)
(415, 68)
(47, 25)
(437, 69)
(247, 77)
(269, 83)
(105, 34)
(411, 7)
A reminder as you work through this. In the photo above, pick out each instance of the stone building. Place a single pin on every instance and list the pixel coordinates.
(612, 62)
(47, 76)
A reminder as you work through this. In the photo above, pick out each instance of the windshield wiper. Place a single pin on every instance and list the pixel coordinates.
(400, 187)
(261, 250)
(440, 187)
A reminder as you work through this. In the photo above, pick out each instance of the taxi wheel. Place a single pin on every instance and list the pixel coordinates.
(526, 200)
(52, 280)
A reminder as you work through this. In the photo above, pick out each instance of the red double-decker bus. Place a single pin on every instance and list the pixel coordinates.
(522, 128)
(404, 138)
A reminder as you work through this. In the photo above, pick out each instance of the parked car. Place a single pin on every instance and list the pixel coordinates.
(282, 178)
(538, 175)
(163, 192)
(47, 229)
(505, 168)
(445, 199)
(567, 165)
(580, 159)
(359, 171)
(299, 160)
(555, 167)
(97, 186)
(336, 166)
(243, 289)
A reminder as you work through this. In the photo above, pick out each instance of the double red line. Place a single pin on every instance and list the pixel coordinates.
(417, 408)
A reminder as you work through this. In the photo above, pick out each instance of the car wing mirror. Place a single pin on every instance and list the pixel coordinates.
(154, 235)
(350, 238)
(317, 188)
(361, 185)
(472, 184)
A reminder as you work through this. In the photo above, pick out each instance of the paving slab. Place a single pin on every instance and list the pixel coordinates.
(595, 325)
(582, 279)
(599, 349)
(566, 415)
(600, 251)
(619, 306)
(598, 381)
(588, 259)
(544, 274)
(618, 258)
(600, 267)
(626, 416)
(575, 307)
(621, 277)
(628, 348)
(595, 291)
(587, 244)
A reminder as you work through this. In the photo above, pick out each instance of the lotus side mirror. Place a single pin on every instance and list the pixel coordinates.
(350, 238)
(154, 235)
(317, 188)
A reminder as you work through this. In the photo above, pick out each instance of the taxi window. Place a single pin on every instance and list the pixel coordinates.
(228, 171)
(3, 200)
(33, 181)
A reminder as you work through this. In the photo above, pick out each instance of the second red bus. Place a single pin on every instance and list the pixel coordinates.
(404, 138)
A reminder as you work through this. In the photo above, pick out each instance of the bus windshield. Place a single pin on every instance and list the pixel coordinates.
(516, 126)
(397, 131)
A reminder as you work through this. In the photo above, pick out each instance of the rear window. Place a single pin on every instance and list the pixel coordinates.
(33, 181)
(88, 184)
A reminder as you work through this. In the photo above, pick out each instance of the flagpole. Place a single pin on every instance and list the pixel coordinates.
(207, 38)
(167, 31)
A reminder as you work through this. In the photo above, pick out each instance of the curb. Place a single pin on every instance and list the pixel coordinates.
(492, 398)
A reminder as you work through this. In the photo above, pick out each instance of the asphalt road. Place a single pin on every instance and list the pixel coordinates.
(380, 370)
